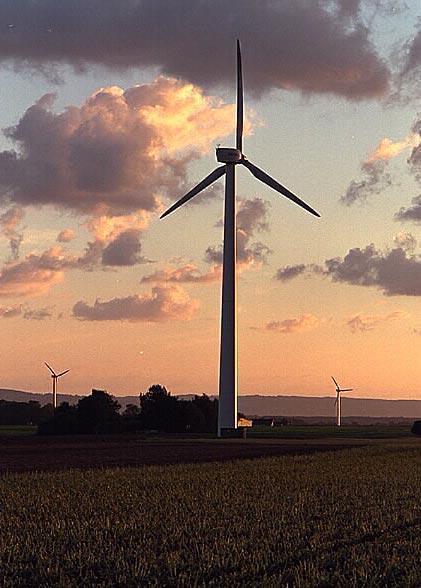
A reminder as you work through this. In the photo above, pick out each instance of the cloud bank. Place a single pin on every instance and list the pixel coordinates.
(313, 47)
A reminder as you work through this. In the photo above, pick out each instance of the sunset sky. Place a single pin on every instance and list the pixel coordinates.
(111, 111)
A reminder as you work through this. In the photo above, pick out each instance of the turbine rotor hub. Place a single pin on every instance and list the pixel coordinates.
(228, 155)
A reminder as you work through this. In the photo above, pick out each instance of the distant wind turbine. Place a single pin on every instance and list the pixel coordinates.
(55, 377)
(338, 400)
(230, 157)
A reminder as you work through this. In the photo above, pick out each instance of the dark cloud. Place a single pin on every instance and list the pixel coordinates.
(163, 304)
(375, 179)
(290, 271)
(412, 213)
(317, 46)
(396, 271)
(124, 250)
(414, 160)
(251, 218)
(116, 153)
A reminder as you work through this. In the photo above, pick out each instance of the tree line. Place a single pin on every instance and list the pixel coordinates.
(158, 411)
(24, 413)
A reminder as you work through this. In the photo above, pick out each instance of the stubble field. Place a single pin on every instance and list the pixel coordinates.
(342, 518)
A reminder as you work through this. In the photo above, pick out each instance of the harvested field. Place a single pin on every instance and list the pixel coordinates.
(20, 454)
(348, 518)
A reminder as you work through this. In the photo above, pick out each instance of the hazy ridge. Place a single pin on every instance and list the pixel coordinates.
(257, 405)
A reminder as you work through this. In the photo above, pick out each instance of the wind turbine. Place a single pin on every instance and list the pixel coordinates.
(338, 400)
(230, 157)
(55, 377)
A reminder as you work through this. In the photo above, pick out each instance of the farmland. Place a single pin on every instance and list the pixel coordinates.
(345, 518)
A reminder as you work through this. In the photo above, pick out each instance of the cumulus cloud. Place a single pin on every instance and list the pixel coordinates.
(163, 304)
(34, 275)
(406, 241)
(288, 272)
(313, 47)
(251, 218)
(188, 273)
(124, 250)
(375, 174)
(364, 322)
(388, 149)
(9, 222)
(375, 179)
(396, 271)
(304, 322)
(410, 213)
(66, 235)
(116, 154)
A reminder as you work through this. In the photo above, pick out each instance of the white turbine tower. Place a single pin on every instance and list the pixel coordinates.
(55, 377)
(230, 157)
(338, 400)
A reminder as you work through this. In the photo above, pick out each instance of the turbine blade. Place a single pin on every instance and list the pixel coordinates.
(336, 383)
(50, 368)
(240, 99)
(336, 401)
(212, 177)
(62, 373)
(266, 179)
(346, 389)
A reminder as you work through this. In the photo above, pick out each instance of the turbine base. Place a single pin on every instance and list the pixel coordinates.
(238, 433)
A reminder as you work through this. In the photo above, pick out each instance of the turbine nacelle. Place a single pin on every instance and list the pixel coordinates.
(228, 155)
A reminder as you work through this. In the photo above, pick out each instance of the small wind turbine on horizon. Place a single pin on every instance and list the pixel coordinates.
(230, 157)
(55, 377)
(338, 400)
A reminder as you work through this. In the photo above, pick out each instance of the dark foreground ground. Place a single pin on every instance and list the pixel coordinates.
(31, 453)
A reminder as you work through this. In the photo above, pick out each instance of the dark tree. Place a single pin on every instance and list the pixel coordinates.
(189, 418)
(158, 410)
(209, 409)
(130, 419)
(98, 413)
(64, 421)
(416, 428)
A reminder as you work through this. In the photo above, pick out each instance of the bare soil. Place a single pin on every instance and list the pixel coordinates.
(23, 454)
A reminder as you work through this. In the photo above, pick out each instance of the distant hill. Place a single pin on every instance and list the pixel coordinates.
(42, 398)
(298, 406)
(311, 406)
